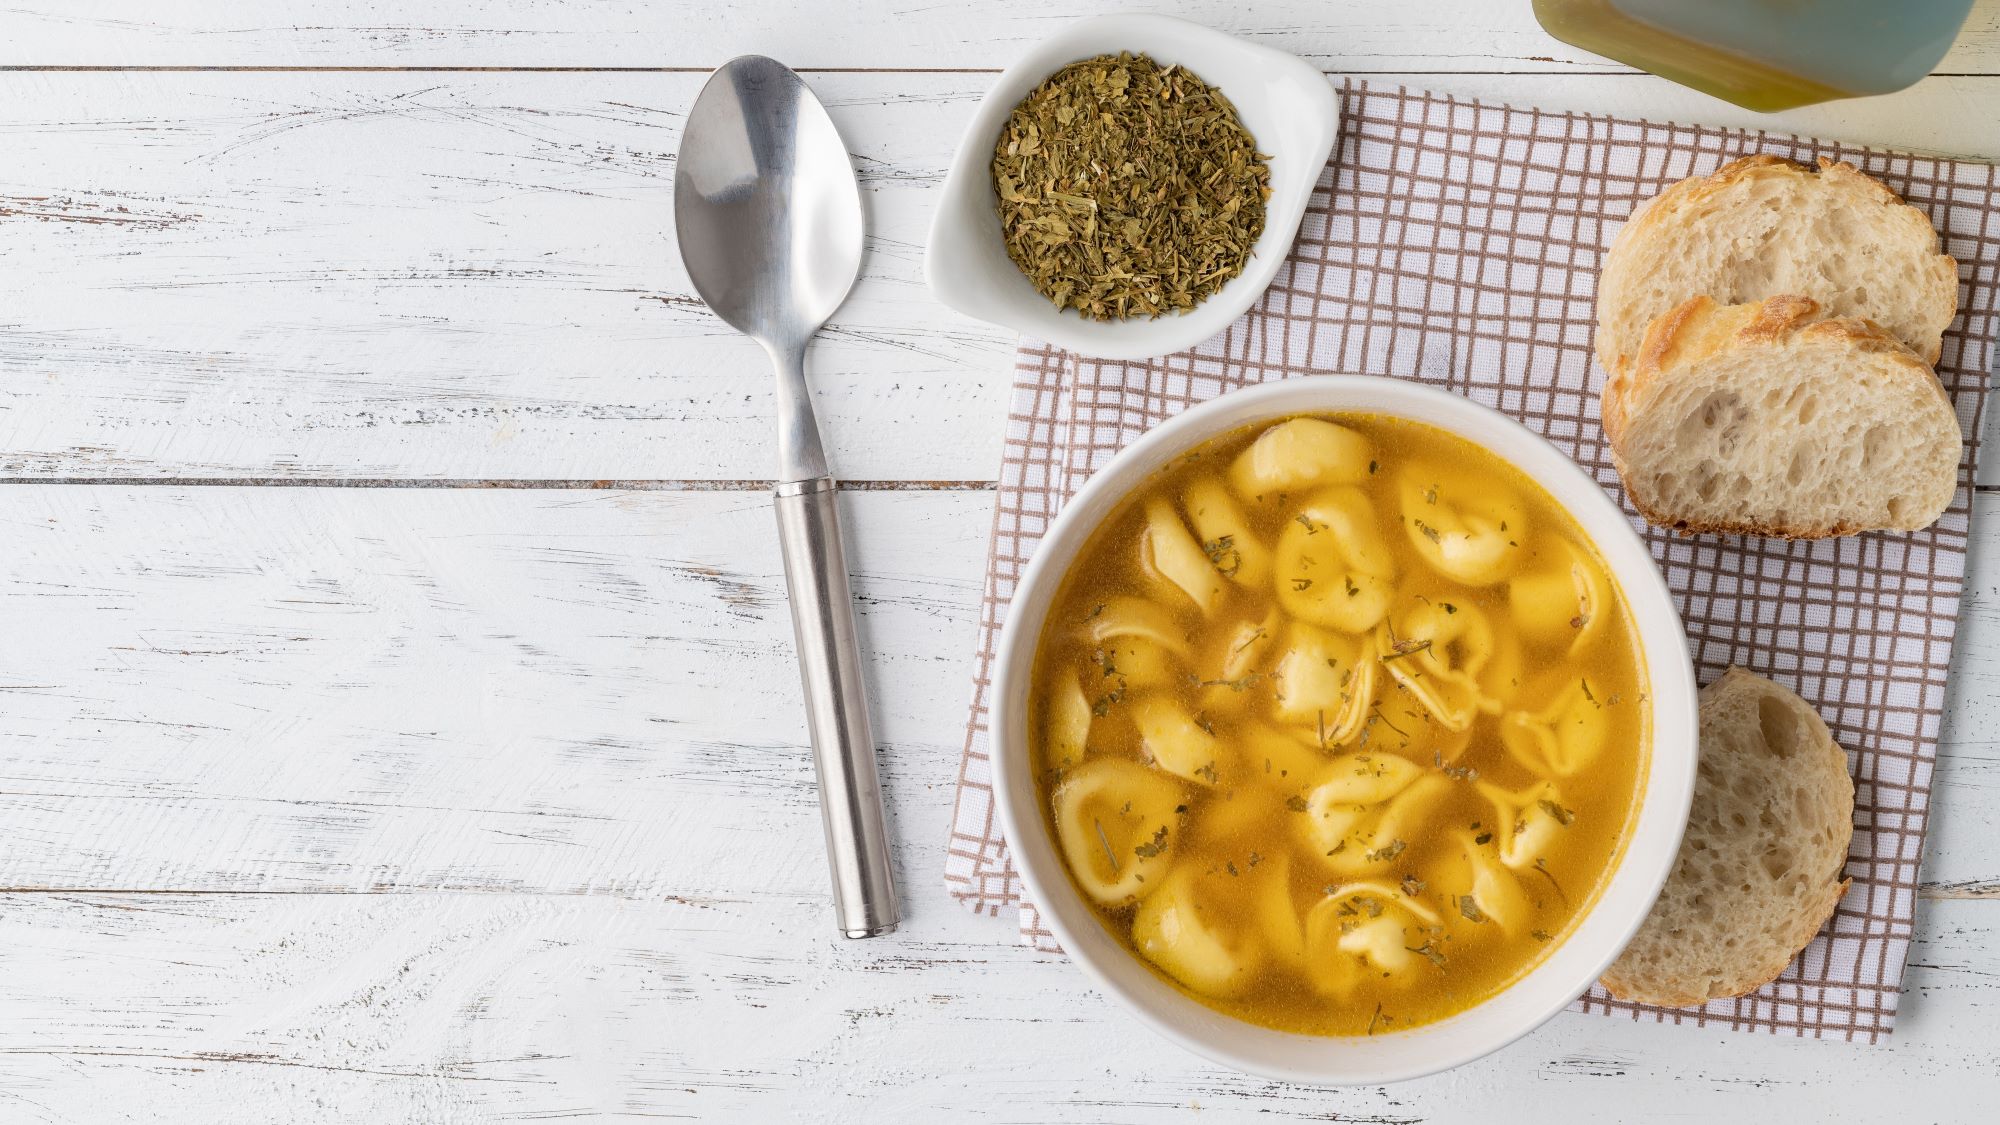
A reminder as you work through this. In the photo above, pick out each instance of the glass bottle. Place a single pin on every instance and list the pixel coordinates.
(1766, 55)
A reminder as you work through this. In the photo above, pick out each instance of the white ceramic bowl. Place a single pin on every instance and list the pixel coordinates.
(1289, 107)
(1572, 966)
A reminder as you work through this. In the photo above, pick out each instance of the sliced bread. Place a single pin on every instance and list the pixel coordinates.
(1760, 419)
(1760, 867)
(1762, 227)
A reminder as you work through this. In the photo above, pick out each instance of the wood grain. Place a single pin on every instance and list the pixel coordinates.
(461, 277)
(368, 690)
(1434, 35)
(743, 1007)
(472, 788)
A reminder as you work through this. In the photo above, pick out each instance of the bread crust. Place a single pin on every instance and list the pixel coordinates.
(1660, 215)
(1798, 936)
(1699, 329)
(1626, 980)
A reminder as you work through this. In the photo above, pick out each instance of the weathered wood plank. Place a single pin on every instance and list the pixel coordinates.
(313, 689)
(742, 1006)
(1415, 35)
(500, 690)
(559, 728)
(387, 275)
(473, 276)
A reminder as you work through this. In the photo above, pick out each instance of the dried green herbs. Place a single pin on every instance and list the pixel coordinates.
(1128, 189)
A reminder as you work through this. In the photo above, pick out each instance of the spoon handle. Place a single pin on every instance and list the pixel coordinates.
(850, 794)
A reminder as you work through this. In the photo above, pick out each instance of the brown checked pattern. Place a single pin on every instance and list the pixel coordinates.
(1458, 243)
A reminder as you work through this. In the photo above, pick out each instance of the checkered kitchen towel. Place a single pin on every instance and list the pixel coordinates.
(1458, 243)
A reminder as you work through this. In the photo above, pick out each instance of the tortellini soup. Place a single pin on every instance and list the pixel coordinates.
(1339, 723)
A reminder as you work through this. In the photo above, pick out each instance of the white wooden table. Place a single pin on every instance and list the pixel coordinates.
(397, 716)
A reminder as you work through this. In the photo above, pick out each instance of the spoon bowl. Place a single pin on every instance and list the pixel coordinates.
(766, 205)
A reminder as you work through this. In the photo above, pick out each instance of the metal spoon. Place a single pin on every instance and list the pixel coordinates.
(768, 215)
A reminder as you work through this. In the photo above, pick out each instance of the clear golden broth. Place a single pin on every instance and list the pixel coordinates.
(1339, 723)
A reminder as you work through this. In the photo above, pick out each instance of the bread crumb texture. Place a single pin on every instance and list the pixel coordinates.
(1766, 419)
(1761, 227)
(1760, 869)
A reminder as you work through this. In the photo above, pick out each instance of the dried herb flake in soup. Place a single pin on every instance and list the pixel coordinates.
(1128, 189)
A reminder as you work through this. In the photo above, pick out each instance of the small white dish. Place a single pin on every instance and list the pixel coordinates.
(1289, 108)
(1605, 927)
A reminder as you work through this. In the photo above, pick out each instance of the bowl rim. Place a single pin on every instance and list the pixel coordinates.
(1653, 842)
(1317, 108)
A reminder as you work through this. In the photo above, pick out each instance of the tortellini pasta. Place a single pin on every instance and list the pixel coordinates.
(1176, 740)
(1168, 551)
(1562, 599)
(1368, 932)
(1483, 890)
(1319, 772)
(1438, 649)
(1399, 721)
(1238, 669)
(1298, 454)
(1528, 822)
(1136, 642)
(1226, 539)
(1279, 922)
(1324, 684)
(1067, 727)
(1184, 931)
(1369, 810)
(1564, 737)
(1135, 617)
(1468, 527)
(1334, 568)
(1280, 759)
(1118, 823)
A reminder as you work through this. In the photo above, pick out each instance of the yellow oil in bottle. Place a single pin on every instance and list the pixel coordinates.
(1766, 55)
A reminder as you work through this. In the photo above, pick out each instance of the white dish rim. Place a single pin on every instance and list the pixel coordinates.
(959, 259)
(1610, 922)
